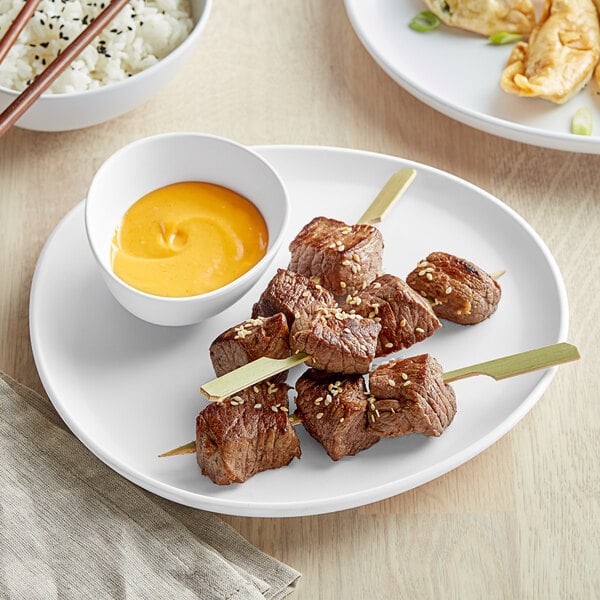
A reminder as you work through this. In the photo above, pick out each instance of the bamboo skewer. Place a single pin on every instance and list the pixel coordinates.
(387, 197)
(518, 364)
(189, 448)
(249, 374)
(498, 368)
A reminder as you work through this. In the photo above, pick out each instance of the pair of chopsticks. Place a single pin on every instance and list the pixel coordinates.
(16, 109)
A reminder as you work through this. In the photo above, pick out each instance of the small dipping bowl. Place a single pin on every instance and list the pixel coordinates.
(154, 162)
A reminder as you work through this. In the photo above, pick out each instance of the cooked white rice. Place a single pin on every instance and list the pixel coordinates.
(141, 34)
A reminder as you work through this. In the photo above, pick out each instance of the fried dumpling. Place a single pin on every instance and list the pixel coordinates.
(561, 55)
(597, 71)
(486, 16)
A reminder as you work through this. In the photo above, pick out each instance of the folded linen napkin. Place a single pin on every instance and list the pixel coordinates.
(72, 528)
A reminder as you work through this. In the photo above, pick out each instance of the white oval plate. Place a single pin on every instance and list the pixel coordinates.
(458, 74)
(130, 390)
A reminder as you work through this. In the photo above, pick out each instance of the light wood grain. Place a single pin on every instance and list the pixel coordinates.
(518, 521)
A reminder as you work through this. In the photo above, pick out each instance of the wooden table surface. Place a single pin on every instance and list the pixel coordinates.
(518, 521)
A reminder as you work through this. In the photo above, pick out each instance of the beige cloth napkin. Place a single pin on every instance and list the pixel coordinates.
(72, 528)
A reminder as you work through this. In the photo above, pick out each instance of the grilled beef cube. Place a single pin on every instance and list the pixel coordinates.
(333, 409)
(343, 257)
(409, 396)
(289, 293)
(246, 434)
(457, 289)
(338, 342)
(262, 336)
(405, 316)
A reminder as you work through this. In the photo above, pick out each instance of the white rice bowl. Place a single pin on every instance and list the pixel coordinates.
(139, 52)
(139, 36)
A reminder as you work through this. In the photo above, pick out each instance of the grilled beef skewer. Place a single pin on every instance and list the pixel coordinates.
(457, 289)
(333, 409)
(290, 293)
(340, 339)
(336, 341)
(246, 434)
(406, 318)
(414, 397)
(409, 395)
(243, 343)
(342, 258)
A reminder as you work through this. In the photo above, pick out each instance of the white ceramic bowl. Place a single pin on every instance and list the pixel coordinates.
(63, 112)
(154, 162)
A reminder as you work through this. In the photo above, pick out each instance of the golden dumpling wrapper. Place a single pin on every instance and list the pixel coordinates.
(560, 57)
(486, 16)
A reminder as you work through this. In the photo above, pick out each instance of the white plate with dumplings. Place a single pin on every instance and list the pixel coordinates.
(458, 73)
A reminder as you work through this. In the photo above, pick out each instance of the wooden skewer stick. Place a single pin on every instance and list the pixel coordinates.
(499, 368)
(265, 368)
(249, 374)
(518, 364)
(396, 185)
(189, 448)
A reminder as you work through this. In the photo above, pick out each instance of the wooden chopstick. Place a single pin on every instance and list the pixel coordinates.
(12, 33)
(28, 96)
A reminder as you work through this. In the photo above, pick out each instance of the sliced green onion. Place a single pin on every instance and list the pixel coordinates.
(504, 37)
(581, 123)
(424, 21)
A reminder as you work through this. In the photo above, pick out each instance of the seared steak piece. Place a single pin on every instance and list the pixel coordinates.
(239, 345)
(405, 316)
(333, 409)
(409, 396)
(338, 342)
(457, 289)
(289, 293)
(245, 434)
(343, 257)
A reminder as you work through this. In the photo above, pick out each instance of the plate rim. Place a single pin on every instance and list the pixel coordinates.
(504, 128)
(332, 503)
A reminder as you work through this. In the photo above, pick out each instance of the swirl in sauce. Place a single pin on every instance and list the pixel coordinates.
(188, 238)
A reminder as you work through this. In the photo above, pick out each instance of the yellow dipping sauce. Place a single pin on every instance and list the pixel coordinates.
(188, 238)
